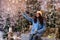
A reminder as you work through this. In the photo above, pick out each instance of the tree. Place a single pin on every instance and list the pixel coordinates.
(6, 29)
(51, 17)
(7, 23)
(21, 23)
(33, 6)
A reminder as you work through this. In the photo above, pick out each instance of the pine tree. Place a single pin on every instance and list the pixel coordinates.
(33, 6)
(7, 23)
(22, 23)
(52, 15)
(6, 29)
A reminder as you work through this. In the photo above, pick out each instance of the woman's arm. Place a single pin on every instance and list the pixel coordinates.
(27, 17)
(42, 29)
(23, 11)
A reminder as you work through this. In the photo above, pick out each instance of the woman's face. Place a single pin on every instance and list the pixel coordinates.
(37, 14)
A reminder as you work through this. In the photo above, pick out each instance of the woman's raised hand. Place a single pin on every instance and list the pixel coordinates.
(23, 9)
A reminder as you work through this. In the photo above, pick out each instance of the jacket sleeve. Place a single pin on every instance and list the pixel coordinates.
(43, 28)
(27, 17)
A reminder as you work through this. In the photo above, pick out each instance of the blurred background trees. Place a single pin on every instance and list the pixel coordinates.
(49, 8)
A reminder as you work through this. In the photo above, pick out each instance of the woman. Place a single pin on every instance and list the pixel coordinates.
(38, 24)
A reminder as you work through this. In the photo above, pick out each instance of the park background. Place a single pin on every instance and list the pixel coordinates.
(10, 15)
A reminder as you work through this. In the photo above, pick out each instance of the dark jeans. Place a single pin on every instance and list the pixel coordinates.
(34, 37)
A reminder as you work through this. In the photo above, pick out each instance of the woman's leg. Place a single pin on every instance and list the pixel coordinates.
(36, 37)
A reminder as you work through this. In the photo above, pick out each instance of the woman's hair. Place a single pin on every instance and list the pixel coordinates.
(40, 18)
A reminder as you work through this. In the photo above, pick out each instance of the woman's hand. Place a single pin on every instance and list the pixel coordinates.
(23, 9)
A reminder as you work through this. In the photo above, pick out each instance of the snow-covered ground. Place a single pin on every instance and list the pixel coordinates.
(1, 35)
(26, 37)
